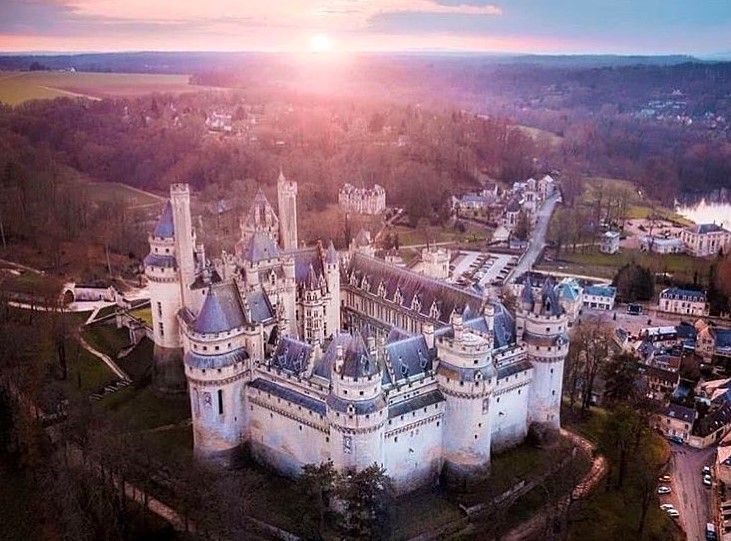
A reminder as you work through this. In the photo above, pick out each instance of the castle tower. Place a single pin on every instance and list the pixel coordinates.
(545, 334)
(163, 277)
(217, 368)
(332, 276)
(184, 239)
(436, 262)
(356, 409)
(260, 218)
(287, 199)
(466, 376)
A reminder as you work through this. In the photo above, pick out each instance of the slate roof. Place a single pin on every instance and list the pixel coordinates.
(722, 339)
(680, 412)
(221, 311)
(260, 208)
(683, 294)
(259, 306)
(718, 417)
(428, 291)
(513, 206)
(703, 229)
(504, 326)
(260, 247)
(292, 355)
(197, 360)
(289, 395)
(332, 254)
(357, 363)
(409, 357)
(157, 260)
(513, 368)
(304, 260)
(165, 227)
(418, 402)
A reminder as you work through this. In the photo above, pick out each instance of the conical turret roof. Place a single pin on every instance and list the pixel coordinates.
(165, 227)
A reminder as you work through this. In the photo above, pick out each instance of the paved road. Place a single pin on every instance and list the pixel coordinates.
(690, 497)
(538, 238)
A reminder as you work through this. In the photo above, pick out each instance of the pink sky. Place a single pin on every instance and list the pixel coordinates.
(533, 26)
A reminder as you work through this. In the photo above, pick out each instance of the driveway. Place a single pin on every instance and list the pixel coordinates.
(538, 238)
(690, 497)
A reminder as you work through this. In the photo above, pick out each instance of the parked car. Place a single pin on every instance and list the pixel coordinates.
(706, 470)
(664, 479)
(673, 513)
(707, 480)
(667, 506)
(663, 490)
(677, 439)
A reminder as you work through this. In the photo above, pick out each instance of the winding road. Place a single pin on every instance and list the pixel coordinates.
(537, 240)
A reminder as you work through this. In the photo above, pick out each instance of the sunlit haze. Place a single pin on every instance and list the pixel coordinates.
(521, 26)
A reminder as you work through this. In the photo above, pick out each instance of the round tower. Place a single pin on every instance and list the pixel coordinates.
(545, 335)
(217, 368)
(466, 376)
(163, 277)
(356, 409)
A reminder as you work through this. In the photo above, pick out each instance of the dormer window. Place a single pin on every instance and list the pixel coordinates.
(398, 298)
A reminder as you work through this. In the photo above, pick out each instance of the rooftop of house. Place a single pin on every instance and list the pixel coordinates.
(676, 411)
(703, 229)
(684, 294)
(601, 291)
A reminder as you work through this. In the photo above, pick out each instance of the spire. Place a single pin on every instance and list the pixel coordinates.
(165, 228)
(312, 281)
(332, 254)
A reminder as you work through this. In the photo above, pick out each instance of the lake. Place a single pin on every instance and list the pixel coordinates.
(704, 212)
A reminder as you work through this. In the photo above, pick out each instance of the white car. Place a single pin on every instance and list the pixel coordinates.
(663, 490)
(673, 513)
(706, 470)
(707, 480)
(667, 507)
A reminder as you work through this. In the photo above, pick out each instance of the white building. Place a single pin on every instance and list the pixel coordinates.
(661, 245)
(426, 377)
(683, 301)
(609, 242)
(362, 200)
(599, 297)
(706, 239)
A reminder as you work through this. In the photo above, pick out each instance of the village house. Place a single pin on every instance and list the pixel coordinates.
(703, 240)
(675, 420)
(600, 297)
(609, 242)
(683, 301)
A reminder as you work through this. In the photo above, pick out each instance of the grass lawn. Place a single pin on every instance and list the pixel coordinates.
(18, 87)
(594, 263)
(107, 338)
(113, 191)
(143, 409)
(143, 314)
(138, 362)
(86, 372)
(421, 512)
(618, 511)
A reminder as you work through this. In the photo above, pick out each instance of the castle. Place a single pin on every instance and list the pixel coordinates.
(362, 200)
(303, 355)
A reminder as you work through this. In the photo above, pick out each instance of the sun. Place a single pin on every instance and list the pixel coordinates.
(320, 43)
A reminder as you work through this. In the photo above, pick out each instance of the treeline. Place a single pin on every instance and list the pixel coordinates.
(153, 141)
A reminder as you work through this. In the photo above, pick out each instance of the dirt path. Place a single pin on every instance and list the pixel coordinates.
(538, 521)
(72, 94)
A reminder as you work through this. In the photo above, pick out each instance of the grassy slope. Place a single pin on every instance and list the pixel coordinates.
(18, 87)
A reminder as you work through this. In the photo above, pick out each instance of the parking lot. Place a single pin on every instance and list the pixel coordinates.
(481, 268)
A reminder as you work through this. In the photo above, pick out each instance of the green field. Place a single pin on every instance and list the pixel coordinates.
(19, 87)
(102, 192)
(591, 262)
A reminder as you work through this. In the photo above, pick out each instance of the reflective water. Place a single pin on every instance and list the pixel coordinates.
(705, 212)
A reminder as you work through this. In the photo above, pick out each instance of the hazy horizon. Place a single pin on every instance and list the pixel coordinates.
(573, 27)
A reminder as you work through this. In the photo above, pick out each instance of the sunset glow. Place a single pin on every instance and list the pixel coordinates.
(520, 26)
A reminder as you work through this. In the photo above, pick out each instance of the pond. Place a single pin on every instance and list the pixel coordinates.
(705, 212)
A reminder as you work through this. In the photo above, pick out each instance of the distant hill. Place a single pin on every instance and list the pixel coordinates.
(189, 62)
